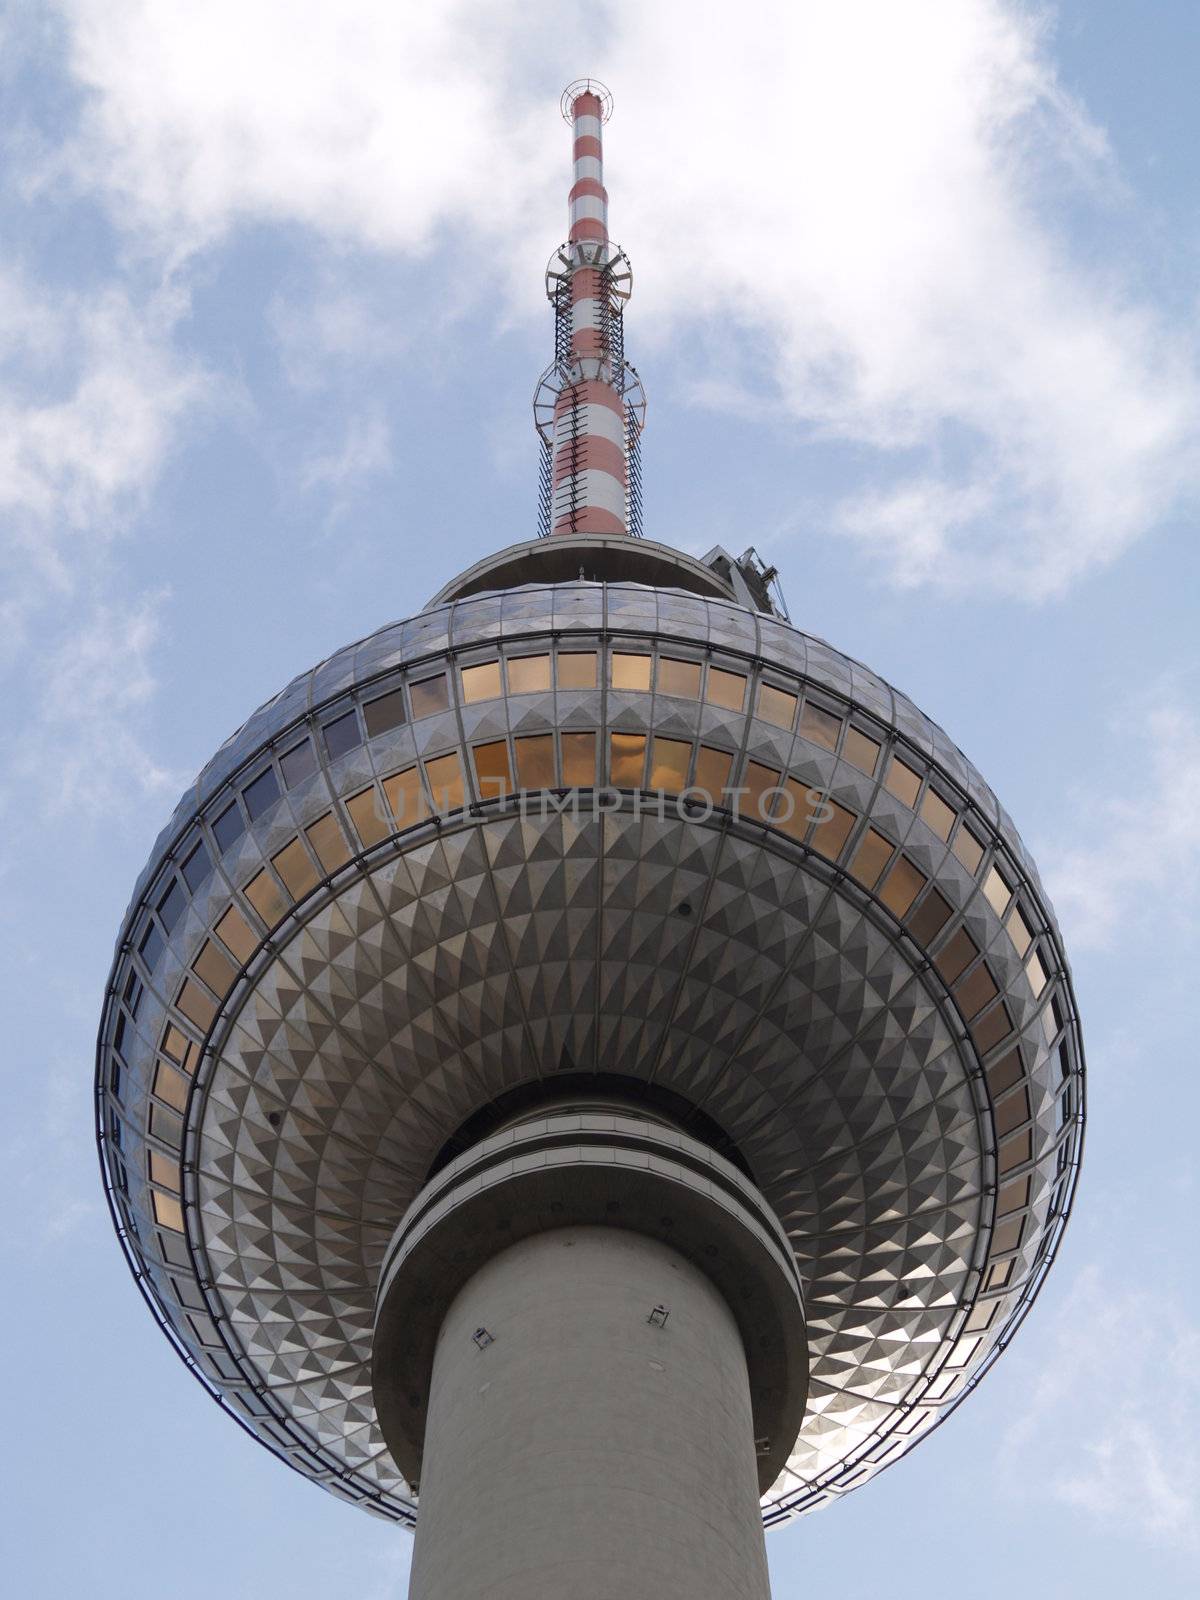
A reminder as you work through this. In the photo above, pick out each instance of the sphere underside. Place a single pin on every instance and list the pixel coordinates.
(454, 861)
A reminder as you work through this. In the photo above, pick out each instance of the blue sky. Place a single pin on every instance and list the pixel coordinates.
(915, 304)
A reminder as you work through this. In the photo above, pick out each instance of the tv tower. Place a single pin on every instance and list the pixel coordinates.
(590, 1072)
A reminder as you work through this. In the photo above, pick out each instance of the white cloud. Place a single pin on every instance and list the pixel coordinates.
(91, 392)
(1141, 855)
(874, 194)
(365, 450)
(372, 123)
(1113, 1416)
(85, 751)
(335, 329)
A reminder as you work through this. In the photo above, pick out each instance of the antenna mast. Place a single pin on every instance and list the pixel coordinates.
(589, 406)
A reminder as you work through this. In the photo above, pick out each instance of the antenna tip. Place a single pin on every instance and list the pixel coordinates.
(582, 86)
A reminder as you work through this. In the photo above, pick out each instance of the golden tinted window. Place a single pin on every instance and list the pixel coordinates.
(861, 750)
(901, 886)
(164, 1171)
(997, 891)
(776, 705)
(681, 678)
(982, 1316)
(444, 776)
(870, 858)
(757, 803)
(170, 1086)
(936, 814)
(793, 810)
(236, 935)
(428, 696)
(577, 669)
(535, 760)
(368, 816)
(829, 835)
(406, 797)
(178, 1046)
(903, 782)
(329, 842)
(819, 725)
(492, 773)
(215, 968)
(999, 1274)
(630, 672)
(1019, 930)
(669, 763)
(528, 675)
(1013, 1196)
(968, 849)
(167, 1211)
(628, 760)
(1036, 973)
(481, 682)
(578, 760)
(1007, 1236)
(294, 865)
(727, 689)
(712, 772)
(1015, 1151)
(196, 1006)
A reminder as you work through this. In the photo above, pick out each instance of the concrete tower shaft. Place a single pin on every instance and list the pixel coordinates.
(589, 406)
(589, 1449)
(590, 1356)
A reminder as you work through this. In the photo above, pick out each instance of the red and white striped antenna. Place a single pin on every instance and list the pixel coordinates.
(589, 405)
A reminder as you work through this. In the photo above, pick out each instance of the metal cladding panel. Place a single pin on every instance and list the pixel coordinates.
(874, 1007)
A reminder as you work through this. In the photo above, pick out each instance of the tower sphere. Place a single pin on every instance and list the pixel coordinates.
(551, 837)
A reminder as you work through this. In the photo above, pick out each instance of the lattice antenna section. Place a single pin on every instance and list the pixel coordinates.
(633, 450)
(544, 489)
(589, 405)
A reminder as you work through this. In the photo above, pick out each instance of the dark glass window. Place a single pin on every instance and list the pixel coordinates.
(298, 763)
(342, 735)
(171, 904)
(429, 696)
(229, 827)
(197, 867)
(387, 712)
(262, 794)
(119, 1032)
(932, 914)
(151, 946)
(133, 993)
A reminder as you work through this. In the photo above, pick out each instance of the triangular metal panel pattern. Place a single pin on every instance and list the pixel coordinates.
(778, 1007)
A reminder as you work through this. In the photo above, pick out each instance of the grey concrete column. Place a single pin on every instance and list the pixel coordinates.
(564, 1437)
(577, 1446)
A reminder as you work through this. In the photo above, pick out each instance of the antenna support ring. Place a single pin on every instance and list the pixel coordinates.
(585, 86)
